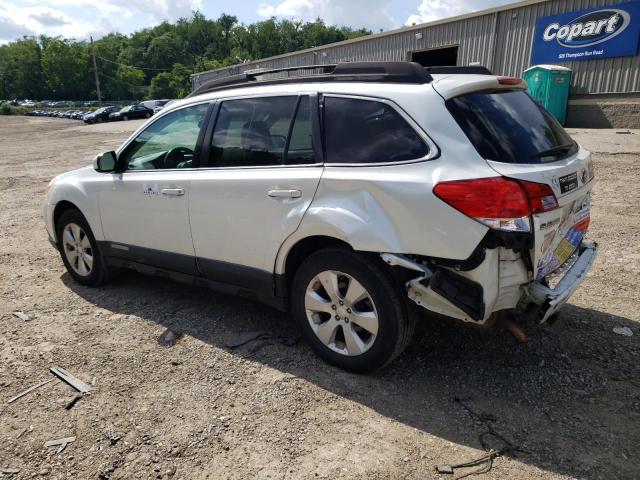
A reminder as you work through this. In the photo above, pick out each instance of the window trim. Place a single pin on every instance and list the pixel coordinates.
(433, 149)
(197, 152)
(315, 128)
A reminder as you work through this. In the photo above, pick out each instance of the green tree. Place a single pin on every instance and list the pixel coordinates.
(160, 59)
(161, 86)
(65, 66)
(21, 69)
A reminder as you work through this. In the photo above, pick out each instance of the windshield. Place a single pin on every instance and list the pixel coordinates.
(509, 126)
(126, 109)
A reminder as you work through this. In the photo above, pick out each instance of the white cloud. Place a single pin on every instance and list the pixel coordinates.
(431, 10)
(10, 30)
(82, 18)
(357, 13)
(158, 10)
(16, 21)
(49, 18)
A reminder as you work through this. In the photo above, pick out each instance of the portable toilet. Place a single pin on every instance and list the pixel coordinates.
(549, 85)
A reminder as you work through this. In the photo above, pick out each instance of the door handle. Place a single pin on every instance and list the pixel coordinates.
(174, 192)
(292, 193)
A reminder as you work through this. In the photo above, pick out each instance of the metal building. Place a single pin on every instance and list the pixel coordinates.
(604, 92)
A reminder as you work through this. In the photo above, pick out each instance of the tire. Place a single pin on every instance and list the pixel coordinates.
(99, 119)
(125, 118)
(98, 273)
(146, 115)
(379, 343)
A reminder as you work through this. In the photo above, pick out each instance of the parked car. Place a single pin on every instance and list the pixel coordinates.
(350, 201)
(100, 115)
(131, 112)
(163, 104)
(152, 104)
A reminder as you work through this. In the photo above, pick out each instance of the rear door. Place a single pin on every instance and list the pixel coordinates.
(260, 174)
(520, 140)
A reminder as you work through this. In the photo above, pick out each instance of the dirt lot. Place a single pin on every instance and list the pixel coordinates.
(570, 397)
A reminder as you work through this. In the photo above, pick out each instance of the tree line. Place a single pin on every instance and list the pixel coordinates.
(154, 62)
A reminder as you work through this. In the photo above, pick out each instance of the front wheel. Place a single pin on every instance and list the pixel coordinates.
(350, 310)
(79, 250)
(125, 118)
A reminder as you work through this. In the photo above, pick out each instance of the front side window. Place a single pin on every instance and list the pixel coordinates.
(169, 142)
(255, 132)
(368, 131)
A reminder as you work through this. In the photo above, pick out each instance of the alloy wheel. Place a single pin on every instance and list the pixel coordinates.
(77, 249)
(341, 313)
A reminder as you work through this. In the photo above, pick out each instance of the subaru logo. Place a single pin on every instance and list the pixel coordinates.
(589, 29)
(583, 176)
(555, 182)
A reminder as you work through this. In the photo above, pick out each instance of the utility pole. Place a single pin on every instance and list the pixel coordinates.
(95, 71)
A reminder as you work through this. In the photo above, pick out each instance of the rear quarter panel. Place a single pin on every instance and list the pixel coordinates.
(392, 208)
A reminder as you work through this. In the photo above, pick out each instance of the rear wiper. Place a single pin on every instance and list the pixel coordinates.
(565, 147)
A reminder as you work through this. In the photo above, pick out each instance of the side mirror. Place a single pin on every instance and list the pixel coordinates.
(105, 162)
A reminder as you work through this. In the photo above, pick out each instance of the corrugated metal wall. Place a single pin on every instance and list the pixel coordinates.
(501, 40)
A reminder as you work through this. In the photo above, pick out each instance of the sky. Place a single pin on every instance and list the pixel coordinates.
(81, 18)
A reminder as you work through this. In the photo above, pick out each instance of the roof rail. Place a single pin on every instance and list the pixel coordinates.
(456, 70)
(391, 72)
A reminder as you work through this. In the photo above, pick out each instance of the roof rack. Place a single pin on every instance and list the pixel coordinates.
(387, 72)
(455, 70)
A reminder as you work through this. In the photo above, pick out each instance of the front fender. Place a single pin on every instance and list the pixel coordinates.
(79, 187)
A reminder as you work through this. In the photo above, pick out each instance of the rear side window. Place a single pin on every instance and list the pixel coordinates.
(259, 132)
(510, 127)
(368, 131)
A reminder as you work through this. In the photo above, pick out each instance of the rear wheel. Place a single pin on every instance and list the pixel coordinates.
(350, 310)
(79, 250)
(146, 115)
(125, 118)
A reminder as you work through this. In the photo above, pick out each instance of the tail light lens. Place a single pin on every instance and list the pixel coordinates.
(499, 203)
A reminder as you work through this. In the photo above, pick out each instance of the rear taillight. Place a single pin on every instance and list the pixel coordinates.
(540, 195)
(499, 203)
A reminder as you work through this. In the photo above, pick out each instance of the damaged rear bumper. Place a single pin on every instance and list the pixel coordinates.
(567, 279)
(499, 283)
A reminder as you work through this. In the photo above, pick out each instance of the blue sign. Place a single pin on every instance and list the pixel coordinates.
(587, 34)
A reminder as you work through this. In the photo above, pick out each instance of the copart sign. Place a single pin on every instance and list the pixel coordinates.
(587, 34)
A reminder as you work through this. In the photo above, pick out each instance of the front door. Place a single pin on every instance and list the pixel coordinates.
(261, 176)
(145, 209)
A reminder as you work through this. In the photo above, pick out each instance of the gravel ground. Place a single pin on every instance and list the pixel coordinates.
(570, 397)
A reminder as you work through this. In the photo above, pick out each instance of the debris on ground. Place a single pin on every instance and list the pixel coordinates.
(169, 338)
(73, 401)
(9, 471)
(66, 377)
(23, 431)
(626, 331)
(111, 434)
(61, 443)
(29, 390)
(22, 316)
(244, 338)
(485, 462)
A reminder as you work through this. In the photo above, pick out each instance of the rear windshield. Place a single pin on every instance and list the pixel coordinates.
(509, 126)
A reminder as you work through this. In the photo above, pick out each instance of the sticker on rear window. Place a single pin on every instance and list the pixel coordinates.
(568, 182)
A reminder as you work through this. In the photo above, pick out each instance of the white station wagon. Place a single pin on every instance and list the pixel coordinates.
(352, 197)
